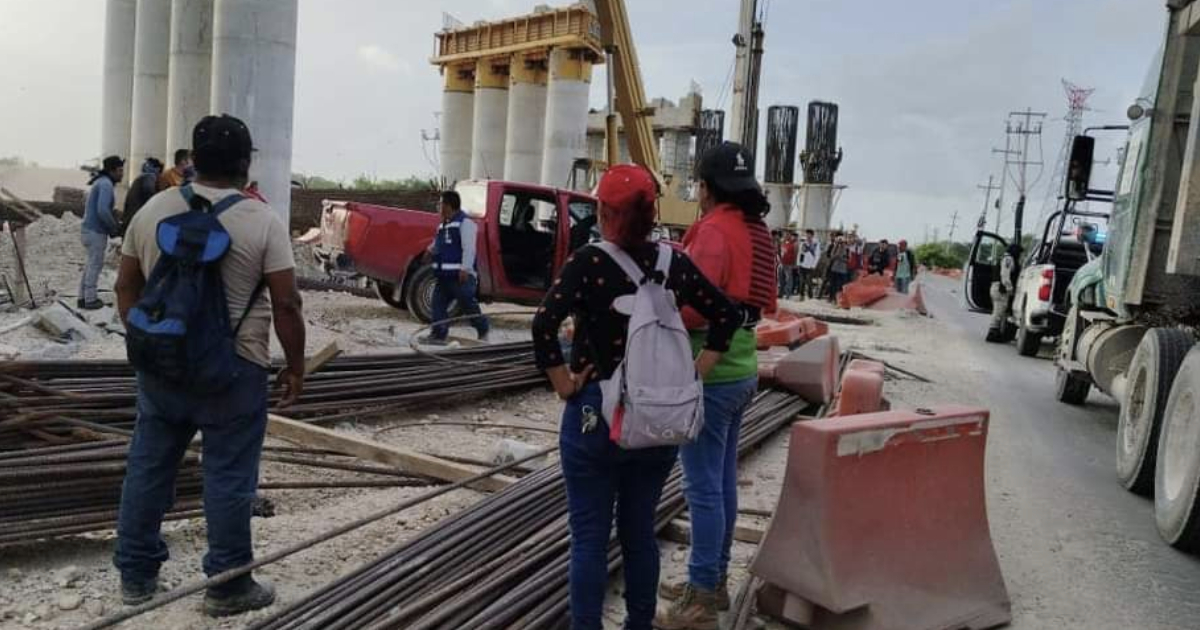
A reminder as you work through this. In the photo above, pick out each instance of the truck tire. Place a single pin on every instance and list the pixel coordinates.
(1071, 388)
(1177, 477)
(387, 292)
(419, 295)
(1028, 343)
(1151, 374)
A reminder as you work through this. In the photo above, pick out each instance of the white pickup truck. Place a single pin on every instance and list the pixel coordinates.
(1069, 240)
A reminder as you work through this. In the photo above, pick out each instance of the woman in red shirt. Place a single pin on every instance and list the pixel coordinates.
(733, 248)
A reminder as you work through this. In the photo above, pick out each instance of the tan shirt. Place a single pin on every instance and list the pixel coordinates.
(260, 246)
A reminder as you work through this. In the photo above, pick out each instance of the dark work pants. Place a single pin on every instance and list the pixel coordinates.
(233, 425)
(601, 477)
(449, 290)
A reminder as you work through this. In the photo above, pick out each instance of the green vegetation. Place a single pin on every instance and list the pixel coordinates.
(945, 254)
(363, 182)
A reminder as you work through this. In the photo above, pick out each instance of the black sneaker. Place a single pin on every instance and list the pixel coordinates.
(137, 593)
(430, 340)
(254, 596)
(93, 305)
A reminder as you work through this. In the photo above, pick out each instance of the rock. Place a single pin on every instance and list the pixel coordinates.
(42, 611)
(61, 323)
(507, 451)
(16, 573)
(94, 607)
(67, 576)
(69, 601)
(678, 556)
(29, 618)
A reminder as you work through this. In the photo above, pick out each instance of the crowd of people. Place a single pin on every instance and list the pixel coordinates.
(808, 269)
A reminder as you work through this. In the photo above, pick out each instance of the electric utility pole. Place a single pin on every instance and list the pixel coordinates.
(987, 199)
(953, 226)
(1021, 129)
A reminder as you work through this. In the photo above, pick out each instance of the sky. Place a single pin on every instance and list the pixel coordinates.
(924, 86)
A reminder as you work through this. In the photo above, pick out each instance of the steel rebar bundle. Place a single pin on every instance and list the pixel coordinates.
(56, 491)
(53, 401)
(501, 563)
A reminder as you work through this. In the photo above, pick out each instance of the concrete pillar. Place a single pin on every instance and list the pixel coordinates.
(254, 78)
(780, 197)
(458, 111)
(676, 153)
(566, 115)
(190, 82)
(490, 129)
(814, 208)
(526, 120)
(150, 68)
(116, 108)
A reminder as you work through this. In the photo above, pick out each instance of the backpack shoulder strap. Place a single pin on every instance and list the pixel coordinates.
(227, 203)
(663, 266)
(624, 261)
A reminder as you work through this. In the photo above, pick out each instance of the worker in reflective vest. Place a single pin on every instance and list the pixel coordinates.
(453, 255)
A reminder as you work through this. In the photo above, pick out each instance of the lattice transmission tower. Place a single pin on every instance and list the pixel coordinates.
(1077, 98)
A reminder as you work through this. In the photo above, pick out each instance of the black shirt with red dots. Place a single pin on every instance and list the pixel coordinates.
(588, 286)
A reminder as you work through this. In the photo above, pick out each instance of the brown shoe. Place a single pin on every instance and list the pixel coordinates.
(696, 609)
(672, 592)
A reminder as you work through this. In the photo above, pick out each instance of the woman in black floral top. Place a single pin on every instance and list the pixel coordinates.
(600, 476)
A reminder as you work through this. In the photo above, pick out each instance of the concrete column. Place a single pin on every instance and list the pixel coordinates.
(150, 68)
(814, 210)
(566, 115)
(458, 111)
(780, 196)
(254, 78)
(676, 153)
(190, 82)
(490, 129)
(526, 120)
(116, 108)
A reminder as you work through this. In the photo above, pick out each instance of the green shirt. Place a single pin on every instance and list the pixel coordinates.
(739, 363)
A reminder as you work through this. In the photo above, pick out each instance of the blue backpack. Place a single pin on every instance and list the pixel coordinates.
(179, 331)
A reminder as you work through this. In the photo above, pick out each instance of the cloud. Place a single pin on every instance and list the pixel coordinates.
(380, 58)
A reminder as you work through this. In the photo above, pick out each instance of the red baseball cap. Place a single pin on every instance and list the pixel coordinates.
(627, 187)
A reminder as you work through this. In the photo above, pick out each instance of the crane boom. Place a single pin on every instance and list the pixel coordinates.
(631, 97)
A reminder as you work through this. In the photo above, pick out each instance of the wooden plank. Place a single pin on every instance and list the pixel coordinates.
(33, 214)
(318, 360)
(680, 531)
(313, 436)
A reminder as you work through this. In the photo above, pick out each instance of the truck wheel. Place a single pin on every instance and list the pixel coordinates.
(1028, 343)
(1070, 388)
(1177, 479)
(387, 292)
(1151, 373)
(419, 296)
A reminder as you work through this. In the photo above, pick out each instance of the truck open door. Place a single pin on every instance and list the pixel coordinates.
(983, 268)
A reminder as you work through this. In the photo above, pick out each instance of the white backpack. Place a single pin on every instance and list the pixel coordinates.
(655, 397)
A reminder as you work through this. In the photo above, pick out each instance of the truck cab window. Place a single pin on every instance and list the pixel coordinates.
(528, 228)
(585, 225)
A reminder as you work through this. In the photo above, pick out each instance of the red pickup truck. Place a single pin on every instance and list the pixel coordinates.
(525, 234)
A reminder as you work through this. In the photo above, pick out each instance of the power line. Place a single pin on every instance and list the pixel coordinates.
(987, 198)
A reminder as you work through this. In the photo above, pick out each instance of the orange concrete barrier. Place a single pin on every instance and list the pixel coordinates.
(882, 524)
(861, 391)
(866, 365)
(771, 333)
(862, 292)
(811, 370)
(813, 328)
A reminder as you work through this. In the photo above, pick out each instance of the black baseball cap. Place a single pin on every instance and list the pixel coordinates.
(221, 138)
(112, 163)
(730, 166)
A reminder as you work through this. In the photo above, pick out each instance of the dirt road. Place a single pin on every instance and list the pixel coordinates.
(1077, 550)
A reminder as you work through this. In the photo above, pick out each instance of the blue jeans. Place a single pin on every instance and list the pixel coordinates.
(233, 425)
(449, 290)
(94, 244)
(902, 284)
(600, 476)
(710, 480)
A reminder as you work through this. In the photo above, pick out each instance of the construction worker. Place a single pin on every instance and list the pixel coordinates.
(180, 174)
(141, 190)
(732, 247)
(99, 223)
(880, 259)
(233, 423)
(453, 255)
(601, 477)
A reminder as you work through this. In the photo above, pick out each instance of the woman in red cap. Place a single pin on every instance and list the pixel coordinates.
(601, 476)
(733, 247)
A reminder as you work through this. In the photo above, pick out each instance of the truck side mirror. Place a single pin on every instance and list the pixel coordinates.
(1079, 167)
